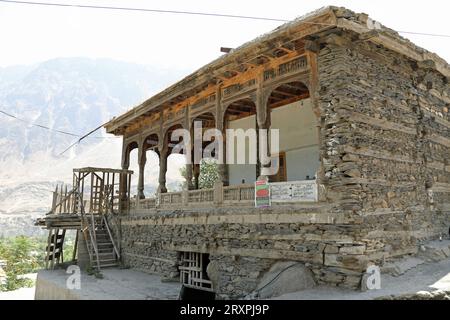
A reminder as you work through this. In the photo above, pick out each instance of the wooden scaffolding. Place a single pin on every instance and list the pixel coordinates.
(95, 194)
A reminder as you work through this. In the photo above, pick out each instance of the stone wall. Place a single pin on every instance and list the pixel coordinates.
(244, 242)
(387, 144)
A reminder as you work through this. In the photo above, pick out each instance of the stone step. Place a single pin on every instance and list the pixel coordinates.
(399, 267)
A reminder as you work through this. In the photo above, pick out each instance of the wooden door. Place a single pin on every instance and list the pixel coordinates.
(280, 176)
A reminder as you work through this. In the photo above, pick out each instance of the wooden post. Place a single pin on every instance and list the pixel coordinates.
(185, 197)
(163, 154)
(218, 193)
(47, 257)
(263, 123)
(75, 246)
(196, 170)
(54, 242)
(55, 199)
(142, 161)
(311, 53)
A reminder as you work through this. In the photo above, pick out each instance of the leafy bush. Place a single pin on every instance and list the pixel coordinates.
(209, 173)
(22, 255)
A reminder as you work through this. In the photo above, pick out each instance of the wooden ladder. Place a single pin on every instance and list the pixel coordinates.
(54, 248)
(97, 186)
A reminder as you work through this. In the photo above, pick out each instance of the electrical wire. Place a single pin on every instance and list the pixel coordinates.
(84, 6)
(81, 138)
(54, 4)
(48, 128)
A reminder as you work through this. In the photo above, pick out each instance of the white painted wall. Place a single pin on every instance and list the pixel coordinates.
(242, 173)
(298, 139)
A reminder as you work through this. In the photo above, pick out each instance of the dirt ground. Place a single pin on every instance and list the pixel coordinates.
(427, 276)
(131, 284)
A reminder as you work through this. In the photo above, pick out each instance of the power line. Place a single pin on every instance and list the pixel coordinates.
(48, 128)
(81, 138)
(425, 34)
(143, 10)
(55, 4)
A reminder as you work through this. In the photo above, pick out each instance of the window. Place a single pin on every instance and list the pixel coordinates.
(193, 270)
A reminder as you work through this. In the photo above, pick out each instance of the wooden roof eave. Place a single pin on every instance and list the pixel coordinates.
(229, 61)
(294, 30)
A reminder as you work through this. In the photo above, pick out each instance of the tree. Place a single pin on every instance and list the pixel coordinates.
(209, 173)
(22, 255)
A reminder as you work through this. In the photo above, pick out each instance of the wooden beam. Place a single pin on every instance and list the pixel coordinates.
(289, 101)
(238, 79)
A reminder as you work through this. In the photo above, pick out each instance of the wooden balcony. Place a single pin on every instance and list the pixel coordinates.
(284, 193)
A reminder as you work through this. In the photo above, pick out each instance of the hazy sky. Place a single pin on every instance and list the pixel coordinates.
(31, 34)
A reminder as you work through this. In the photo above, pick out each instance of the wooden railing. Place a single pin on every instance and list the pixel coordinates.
(200, 196)
(243, 194)
(64, 201)
(239, 193)
(171, 198)
(148, 203)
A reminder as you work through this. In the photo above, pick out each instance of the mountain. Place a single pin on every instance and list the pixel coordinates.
(74, 95)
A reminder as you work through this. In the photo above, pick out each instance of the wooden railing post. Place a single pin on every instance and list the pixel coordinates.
(185, 197)
(218, 192)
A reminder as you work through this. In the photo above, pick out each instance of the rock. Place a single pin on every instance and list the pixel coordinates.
(331, 249)
(352, 250)
(424, 295)
(285, 277)
(212, 270)
(398, 268)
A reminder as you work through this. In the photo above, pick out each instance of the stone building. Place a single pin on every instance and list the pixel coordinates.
(364, 169)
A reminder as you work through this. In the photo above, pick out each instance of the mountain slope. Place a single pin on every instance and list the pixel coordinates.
(74, 95)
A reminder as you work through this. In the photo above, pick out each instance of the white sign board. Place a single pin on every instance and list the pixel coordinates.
(294, 191)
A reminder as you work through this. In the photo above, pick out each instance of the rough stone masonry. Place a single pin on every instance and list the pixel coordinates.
(385, 151)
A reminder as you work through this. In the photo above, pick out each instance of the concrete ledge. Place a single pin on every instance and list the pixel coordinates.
(117, 284)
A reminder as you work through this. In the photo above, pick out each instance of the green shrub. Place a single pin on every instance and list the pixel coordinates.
(22, 255)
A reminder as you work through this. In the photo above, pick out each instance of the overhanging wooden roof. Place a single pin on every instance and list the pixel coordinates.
(282, 38)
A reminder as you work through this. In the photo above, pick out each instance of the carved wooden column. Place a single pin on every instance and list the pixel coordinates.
(189, 171)
(258, 163)
(220, 125)
(223, 167)
(142, 159)
(123, 183)
(263, 123)
(163, 154)
(196, 171)
(189, 151)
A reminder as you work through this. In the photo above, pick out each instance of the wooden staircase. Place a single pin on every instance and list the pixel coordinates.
(87, 212)
(106, 254)
(102, 250)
